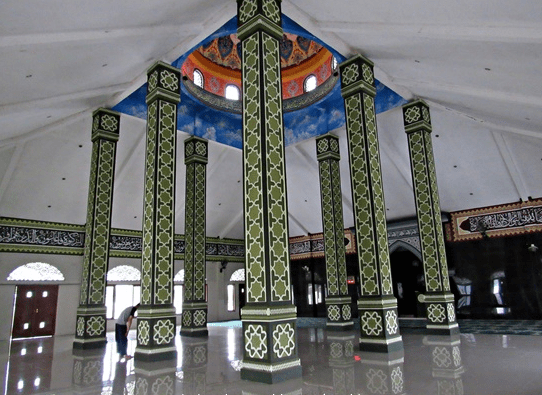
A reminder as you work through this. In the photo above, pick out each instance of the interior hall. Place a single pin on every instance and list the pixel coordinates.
(300, 197)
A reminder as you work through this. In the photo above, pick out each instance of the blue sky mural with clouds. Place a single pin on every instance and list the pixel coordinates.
(196, 118)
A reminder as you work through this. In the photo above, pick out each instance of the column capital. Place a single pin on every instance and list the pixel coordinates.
(195, 150)
(163, 82)
(105, 125)
(357, 75)
(254, 15)
(327, 147)
(416, 117)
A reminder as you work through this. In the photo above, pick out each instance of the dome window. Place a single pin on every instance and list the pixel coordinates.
(232, 92)
(198, 78)
(310, 83)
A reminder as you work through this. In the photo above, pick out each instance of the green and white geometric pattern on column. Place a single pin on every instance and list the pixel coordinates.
(90, 330)
(194, 322)
(377, 305)
(339, 315)
(270, 350)
(439, 300)
(156, 316)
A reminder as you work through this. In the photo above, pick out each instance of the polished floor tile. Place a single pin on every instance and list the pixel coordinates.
(332, 365)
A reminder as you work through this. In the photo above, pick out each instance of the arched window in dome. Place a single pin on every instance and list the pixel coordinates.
(179, 277)
(198, 78)
(36, 271)
(238, 275)
(310, 83)
(232, 92)
(123, 273)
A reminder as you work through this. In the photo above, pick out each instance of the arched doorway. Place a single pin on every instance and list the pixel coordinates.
(408, 279)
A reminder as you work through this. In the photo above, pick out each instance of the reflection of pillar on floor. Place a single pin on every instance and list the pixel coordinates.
(194, 366)
(381, 374)
(341, 362)
(156, 317)
(377, 306)
(157, 380)
(194, 318)
(447, 366)
(339, 311)
(438, 299)
(91, 323)
(269, 317)
(88, 369)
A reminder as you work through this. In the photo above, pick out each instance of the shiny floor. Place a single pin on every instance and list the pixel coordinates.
(468, 364)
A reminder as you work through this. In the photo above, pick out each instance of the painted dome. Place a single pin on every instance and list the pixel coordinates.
(217, 65)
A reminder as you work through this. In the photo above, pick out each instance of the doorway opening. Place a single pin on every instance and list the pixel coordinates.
(408, 282)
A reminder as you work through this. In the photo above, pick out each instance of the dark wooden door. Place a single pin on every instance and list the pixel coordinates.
(35, 310)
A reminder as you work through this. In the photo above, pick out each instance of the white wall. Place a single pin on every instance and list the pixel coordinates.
(68, 292)
(68, 297)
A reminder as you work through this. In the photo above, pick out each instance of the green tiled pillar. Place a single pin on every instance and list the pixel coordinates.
(91, 323)
(269, 317)
(194, 321)
(339, 311)
(439, 300)
(377, 306)
(156, 316)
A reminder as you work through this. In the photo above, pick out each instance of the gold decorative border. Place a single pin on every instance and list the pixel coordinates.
(350, 247)
(454, 233)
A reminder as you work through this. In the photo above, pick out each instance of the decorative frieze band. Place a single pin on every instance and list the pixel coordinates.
(28, 236)
(312, 246)
(496, 221)
(18, 235)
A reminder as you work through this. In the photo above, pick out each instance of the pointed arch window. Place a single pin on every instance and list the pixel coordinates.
(198, 78)
(36, 271)
(310, 83)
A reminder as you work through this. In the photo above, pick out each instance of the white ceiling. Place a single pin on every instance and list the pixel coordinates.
(476, 63)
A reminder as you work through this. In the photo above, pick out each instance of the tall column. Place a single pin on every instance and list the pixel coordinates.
(194, 322)
(377, 306)
(339, 311)
(156, 316)
(91, 323)
(441, 317)
(269, 317)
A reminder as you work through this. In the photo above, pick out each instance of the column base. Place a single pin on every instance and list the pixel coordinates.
(441, 317)
(339, 326)
(252, 373)
(155, 356)
(442, 330)
(379, 324)
(339, 313)
(194, 319)
(194, 332)
(156, 329)
(90, 331)
(270, 343)
(89, 344)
